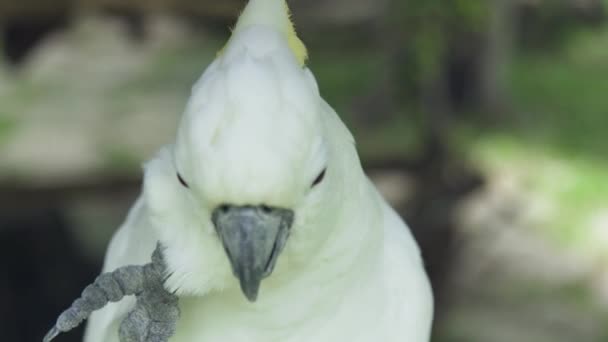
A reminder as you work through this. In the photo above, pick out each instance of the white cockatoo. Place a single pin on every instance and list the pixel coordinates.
(271, 230)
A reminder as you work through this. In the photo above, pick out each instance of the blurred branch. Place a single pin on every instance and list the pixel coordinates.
(26, 197)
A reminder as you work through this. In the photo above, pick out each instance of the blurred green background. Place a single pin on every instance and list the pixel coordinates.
(483, 122)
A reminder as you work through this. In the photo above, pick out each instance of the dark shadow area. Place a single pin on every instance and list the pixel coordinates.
(42, 272)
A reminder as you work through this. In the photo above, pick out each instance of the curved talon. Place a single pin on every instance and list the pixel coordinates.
(51, 335)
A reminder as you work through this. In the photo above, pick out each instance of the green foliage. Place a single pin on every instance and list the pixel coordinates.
(117, 160)
(8, 125)
(342, 79)
(549, 24)
(556, 135)
(428, 27)
(179, 66)
(563, 100)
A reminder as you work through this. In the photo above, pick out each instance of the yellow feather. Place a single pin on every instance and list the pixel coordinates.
(295, 44)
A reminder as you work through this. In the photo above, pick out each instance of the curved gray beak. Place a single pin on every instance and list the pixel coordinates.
(253, 237)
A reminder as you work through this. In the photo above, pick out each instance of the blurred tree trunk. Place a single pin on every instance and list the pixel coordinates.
(496, 58)
(426, 41)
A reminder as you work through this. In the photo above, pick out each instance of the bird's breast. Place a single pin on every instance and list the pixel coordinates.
(314, 314)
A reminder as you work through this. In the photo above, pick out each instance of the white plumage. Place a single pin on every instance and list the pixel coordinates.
(256, 131)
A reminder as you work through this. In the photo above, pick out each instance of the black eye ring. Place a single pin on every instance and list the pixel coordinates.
(182, 181)
(319, 178)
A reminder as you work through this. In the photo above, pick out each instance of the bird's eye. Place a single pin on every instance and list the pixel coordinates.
(319, 178)
(182, 181)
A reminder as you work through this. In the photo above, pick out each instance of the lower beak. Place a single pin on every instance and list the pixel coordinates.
(253, 237)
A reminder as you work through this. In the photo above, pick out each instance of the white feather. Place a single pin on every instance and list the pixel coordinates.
(256, 131)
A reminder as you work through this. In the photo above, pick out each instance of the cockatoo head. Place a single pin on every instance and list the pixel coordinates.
(254, 176)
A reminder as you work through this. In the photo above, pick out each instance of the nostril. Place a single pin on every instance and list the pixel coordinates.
(224, 208)
(266, 209)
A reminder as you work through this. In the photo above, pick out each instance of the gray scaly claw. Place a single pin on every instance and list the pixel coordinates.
(156, 311)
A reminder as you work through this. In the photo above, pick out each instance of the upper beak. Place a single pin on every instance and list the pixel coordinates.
(253, 237)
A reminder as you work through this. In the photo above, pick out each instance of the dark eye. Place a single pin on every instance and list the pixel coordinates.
(319, 178)
(182, 181)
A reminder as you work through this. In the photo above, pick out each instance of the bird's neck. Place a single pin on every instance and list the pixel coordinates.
(352, 251)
